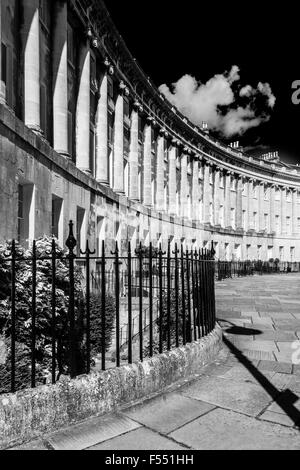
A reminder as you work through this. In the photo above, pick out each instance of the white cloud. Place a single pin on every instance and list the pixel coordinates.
(201, 102)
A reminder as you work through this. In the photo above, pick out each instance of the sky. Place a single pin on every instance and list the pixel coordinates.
(231, 64)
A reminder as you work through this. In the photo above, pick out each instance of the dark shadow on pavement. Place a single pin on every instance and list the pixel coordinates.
(285, 399)
(240, 330)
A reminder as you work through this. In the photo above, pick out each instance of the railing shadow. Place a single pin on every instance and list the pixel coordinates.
(284, 399)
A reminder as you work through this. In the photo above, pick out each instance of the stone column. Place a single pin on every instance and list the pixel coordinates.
(272, 209)
(216, 196)
(147, 165)
(172, 178)
(118, 166)
(60, 78)
(134, 153)
(102, 170)
(160, 173)
(227, 201)
(83, 111)
(250, 204)
(183, 184)
(283, 210)
(2, 84)
(294, 211)
(239, 203)
(195, 188)
(261, 198)
(206, 194)
(31, 47)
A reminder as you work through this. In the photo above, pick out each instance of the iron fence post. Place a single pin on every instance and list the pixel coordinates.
(71, 244)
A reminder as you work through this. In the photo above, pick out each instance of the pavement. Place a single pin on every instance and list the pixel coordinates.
(247, 399)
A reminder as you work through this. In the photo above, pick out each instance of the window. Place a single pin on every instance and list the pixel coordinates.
(227, 252)
(26, 219)
(57, 219)
(270, 252)
(211, 213)
(222, 183)
(126, 177)
(71, 49)
(238, 252)
(201, 210)
(110, 88)
(221, 216)
(189, 212)
(277, 195)
(140, 183)
(232, 218)
(288, 225)
(110, 128)
(153, 190)
(292, 254)
(266, 221)
(248, 249)
(244, 189)
(259, 249)
(281, 253)
(100, 234)
(80, 235)
(298, 223)
(289, 196)
(177, 203)
(255, 190)
(92, 150)
(244, 221)
(70, 132)
(7, 72)
(126, 139)
(233, 184)
(93, 74)
(43, 108)
(277, 223)
(266, 194)
(255, 220)
(45, 14)
(126, 108)
(166, 196)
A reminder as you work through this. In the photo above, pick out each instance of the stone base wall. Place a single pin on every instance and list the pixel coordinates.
(32, 413)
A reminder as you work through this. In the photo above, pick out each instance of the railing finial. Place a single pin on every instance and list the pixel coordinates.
(71, 241)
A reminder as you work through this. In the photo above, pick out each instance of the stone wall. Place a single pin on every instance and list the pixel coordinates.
(32, 413)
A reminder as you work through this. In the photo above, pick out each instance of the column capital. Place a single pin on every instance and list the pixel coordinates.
(109, 66)
(137, 106)
(163, 132)
(175, 142)
(123, 88)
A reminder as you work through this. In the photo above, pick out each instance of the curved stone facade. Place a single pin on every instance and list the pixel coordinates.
(85, 135)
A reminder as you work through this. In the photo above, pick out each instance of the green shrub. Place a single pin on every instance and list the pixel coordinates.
(23, 298)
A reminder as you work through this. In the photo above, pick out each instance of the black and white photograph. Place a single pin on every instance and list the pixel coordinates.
(149, 229)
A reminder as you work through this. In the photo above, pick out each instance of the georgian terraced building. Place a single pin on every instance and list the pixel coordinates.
(85, 135)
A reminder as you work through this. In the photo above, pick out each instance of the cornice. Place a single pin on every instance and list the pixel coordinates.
(126, 68)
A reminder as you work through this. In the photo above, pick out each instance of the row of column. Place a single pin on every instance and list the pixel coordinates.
(211, 199)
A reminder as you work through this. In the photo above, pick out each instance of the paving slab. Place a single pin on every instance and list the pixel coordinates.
(248, 398)
(92, 432)
(141, 439)
(226, 430)
(282, 367)
(278, 336)
(168, 412)
(277, 418)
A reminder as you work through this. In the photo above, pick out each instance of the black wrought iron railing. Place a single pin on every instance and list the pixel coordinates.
(64, 314)
(230, 269)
